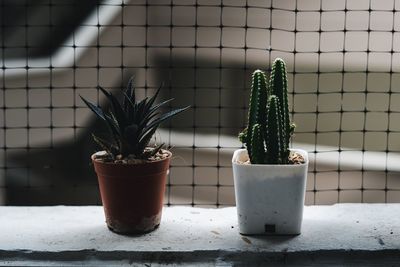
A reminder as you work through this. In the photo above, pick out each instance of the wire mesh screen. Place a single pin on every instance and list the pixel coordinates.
(344, 81)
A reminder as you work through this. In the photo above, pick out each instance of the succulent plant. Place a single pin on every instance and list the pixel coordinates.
(131, 123)
(269, 129)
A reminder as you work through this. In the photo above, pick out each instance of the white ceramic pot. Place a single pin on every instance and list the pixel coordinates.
(269, 198)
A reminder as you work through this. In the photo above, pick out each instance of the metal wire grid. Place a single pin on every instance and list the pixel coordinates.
(343, 93)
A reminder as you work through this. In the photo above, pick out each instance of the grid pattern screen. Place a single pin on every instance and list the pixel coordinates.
(343, 60)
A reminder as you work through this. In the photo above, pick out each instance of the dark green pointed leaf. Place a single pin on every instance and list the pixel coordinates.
(150, 115)
(117, 108)
(104, 144)
(156, 149)
(96, 109)
(165, 117)
(153, 98)
(130, 92)
(131, 109)
(114, 129)
(145, 139)
(140, 110)
(154, 108)
(148, 153)
(145, 121)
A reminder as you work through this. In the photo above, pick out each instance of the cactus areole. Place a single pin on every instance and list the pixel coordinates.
(269, 129)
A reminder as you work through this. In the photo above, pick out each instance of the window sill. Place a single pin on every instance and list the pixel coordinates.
(364, 234)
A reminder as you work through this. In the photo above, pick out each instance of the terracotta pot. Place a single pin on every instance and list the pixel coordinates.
(132, 194)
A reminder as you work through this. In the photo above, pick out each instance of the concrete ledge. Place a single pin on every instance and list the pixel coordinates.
(360, 234)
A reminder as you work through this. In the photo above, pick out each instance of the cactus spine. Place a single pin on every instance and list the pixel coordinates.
(269, 129)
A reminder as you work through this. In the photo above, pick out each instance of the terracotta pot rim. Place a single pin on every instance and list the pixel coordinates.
(130, 164)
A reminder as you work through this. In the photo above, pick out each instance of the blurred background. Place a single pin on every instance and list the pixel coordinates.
(343, 60)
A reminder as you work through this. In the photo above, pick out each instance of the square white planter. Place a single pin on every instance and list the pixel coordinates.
(269, 198)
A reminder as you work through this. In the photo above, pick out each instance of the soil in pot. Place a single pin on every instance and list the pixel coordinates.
(132, 191)
(295, 158)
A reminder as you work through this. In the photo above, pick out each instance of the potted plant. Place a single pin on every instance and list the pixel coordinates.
(131, 174)
(269, 178)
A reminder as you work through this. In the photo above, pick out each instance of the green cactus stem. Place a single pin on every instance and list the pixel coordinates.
(278, 86)
(257, 109)
(275, 138)
(257, 142)
(269, 129)
(258, 99)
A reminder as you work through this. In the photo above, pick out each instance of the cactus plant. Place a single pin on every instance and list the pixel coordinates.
(269, 129)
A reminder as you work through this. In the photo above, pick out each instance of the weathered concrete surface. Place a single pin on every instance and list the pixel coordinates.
(364, 234)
